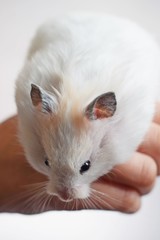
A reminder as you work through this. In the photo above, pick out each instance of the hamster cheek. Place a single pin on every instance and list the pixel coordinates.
(81, 191)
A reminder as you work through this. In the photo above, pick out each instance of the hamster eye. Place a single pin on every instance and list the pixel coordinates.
(85, 167)
(47, 162)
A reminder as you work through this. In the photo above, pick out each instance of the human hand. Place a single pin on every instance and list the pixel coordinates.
(119, 190)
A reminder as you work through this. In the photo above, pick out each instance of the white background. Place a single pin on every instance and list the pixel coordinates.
(18, 22)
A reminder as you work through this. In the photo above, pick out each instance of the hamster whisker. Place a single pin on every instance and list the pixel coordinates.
(33, 186)
(95, 202)
(34, 201)
(97, 196)
(38, 204)
(74, 204)
(102, 202)
(91, 203)
(47, 205)
(82, 203)
(86, 206)
(77, 204)
(18, 201)
(32, 197)
(105, 195)
(44, 202)
(50, 198)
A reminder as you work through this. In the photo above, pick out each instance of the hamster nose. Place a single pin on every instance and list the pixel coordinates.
(64, 195)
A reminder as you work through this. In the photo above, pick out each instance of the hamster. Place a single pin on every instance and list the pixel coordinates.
(85, 98)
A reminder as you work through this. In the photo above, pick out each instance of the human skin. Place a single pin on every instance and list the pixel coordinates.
(119, 190)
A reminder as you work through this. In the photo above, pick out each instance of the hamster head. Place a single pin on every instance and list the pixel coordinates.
(71, 138)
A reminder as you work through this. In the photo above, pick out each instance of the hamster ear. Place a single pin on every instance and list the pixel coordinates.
(42, 100)
(103, 106)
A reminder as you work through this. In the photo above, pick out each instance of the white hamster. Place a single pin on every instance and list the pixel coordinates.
(85, 97)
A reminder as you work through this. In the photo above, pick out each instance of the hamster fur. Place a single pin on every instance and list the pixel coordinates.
(85, 98)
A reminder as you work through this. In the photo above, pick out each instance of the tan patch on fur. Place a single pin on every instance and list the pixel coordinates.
(77, 117)
(69, 110)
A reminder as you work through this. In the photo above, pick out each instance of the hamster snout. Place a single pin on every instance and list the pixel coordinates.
(68, 194)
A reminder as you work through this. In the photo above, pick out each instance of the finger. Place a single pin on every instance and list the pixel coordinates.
(151, 144)
(112, 196)
(156, 118)
(140, 173)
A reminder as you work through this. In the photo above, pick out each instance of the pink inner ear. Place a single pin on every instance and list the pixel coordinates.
(103, 106)
(100, 113)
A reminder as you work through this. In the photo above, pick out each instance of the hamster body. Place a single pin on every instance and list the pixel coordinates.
(85, 98)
